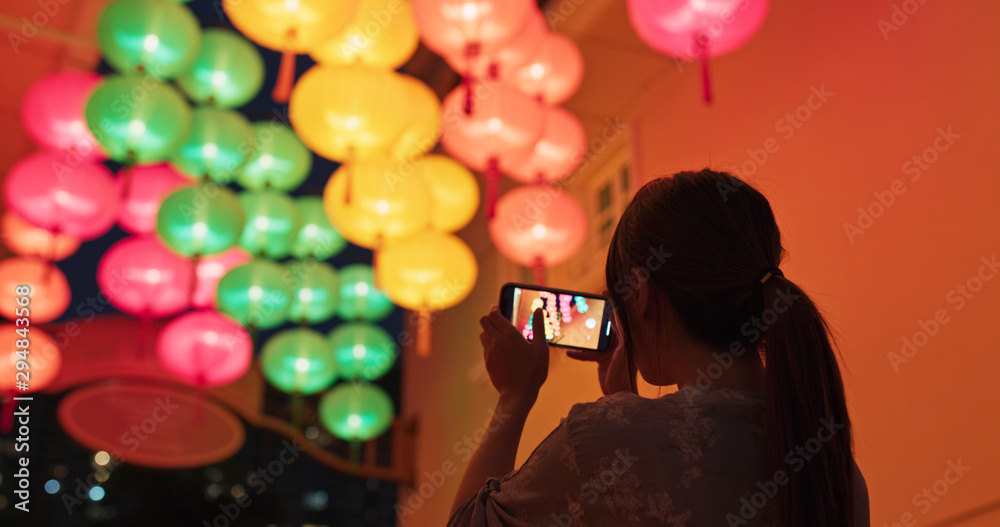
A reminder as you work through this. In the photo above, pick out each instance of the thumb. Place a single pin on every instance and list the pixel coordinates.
(538, 327)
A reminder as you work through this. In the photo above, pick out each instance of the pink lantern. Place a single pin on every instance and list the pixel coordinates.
(211, 269)
(538, 226)
(141, 277)
(78, 198)
(52, 113)
(204, 348)
(515, 52)
(502, 130)
(554, 73)
(558, 152)
(467, 28)
(143, 188)
(697, 29)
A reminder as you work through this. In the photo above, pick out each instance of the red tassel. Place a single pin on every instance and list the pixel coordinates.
(492, 186)
(471, 52)
(286, 78)
(702, 42)
(424, 333)
(347, 184)
(539, 269)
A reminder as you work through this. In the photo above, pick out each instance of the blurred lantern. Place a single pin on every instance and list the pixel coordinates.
(153, 37)
(143, 189)
(49, 296)
(75, 199)
(362, 350)
(359, 298)
(697, 29)
(52, 113)
(24, 239)
(289, 26)
(140, 277)
(349, 113)
(502, 130)
(298, 361)
(316, 238)
(279, 159)
(211, 269)
(554, 72)
(258, 294)
(43, 358)
(382, 35)
(200, 220)
(204, 348)
(538, 226)
(227, 71)
(386, 203)
(316, 292)
(217, 145)
(558, 152)
(454, 192)
(510, 55)
(138, 120)
(424, 126)
(356, 411)
(427, 272)
(272, 223)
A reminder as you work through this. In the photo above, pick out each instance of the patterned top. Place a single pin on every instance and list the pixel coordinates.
(696, 457)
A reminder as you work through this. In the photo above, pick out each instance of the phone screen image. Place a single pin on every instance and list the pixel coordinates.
(572, 321)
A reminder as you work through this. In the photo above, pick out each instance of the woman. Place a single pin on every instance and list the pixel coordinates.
(758, 432)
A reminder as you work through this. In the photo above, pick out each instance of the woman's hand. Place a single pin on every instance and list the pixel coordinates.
(612, 369)
(517, 367)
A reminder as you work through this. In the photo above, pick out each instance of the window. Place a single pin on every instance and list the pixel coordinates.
(625, 187)
(604, 198)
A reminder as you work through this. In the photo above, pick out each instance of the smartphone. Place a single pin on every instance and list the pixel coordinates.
(573, 320)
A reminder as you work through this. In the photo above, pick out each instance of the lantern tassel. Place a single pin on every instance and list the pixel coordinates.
(424, 333)
(286, 77)
(701, 41)
(539, 269)
(492, 186)
(471, 52)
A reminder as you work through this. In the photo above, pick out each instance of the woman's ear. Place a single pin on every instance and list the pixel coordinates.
(640, 300)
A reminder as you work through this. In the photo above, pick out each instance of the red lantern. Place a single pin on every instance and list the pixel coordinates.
(515, 52)
(141, 277)
(466, 28)
(558, 152)
(554, 73)
(211, 269)
(143, 188)
(52, 113)
(204, 348)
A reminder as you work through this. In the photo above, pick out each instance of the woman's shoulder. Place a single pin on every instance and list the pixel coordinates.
(627, 407)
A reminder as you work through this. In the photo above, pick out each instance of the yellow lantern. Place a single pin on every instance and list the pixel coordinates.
(382, 35)
(349, 113)
(424, 127)
(454, 192)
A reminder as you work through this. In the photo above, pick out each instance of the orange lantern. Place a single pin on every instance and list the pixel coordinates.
(557, 153)
(515, 52)
(49, 296)
(25, 239)
(554, 73)
(466, 28)
(43, 358)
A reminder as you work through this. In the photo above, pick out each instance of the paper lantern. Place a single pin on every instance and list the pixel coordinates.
(424, 126)
(200, 220)
(140, 277)
(316, 292)
(279, 159)
(49, 296)
(137, 120)
(316, 238)
(152, 37)
(510, 55)
(538, 226)
(382, 35)
(454, 192)
(24, 239)
(217, 145)
(272, 223)
(258, 294)
(204, 348)
(227, 72)
(298, 361)
(75, 199)
(143, 189)
(359, 298)
(42, 355)
(558, 152)
(356, 411)
(211, 269)
(554, 72)
(52, 113)
(469, 27)
(362, 350)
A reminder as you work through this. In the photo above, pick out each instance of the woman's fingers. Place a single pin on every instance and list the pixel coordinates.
(499, 323)
(486, 340)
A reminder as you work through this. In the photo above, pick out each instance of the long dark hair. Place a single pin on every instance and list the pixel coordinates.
(720, 233)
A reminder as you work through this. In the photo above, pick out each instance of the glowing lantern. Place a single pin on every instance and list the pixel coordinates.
(362, 350)
(349, 113)
(538, 226)
(153, 37)
(139, 276)
(279, 159)
(210, 270)
(356, 411)
(424, 127)
(697, 29)
(554, 73)
(227, 71)
(49, 296)
(316, 292)
(217, 145)
(138, 120)
(454, 192)
(200, 220)
(24, 239)
(144, 188)
(382, 35)
(43, 358)
(204, 348)
(257, 294)
(515, 52)
(272, 224)
(75, 199)
(298, 361)
(558, 152)
(316, 238)
(468, 28)
(52, 113)
(359, 298)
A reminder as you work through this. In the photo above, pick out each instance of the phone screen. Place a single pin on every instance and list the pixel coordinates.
(571, 320)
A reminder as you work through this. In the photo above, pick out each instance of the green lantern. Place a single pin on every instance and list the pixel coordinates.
(137, 120)
(359, 299)
(200, 220)
(227, 71)
(317, 291)
(257, 294)
(273, 222)
(217, 145)
(279, 159)
(362, 350)
(356, 411)
(298, 361)
(316, 238)
(152, 37)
